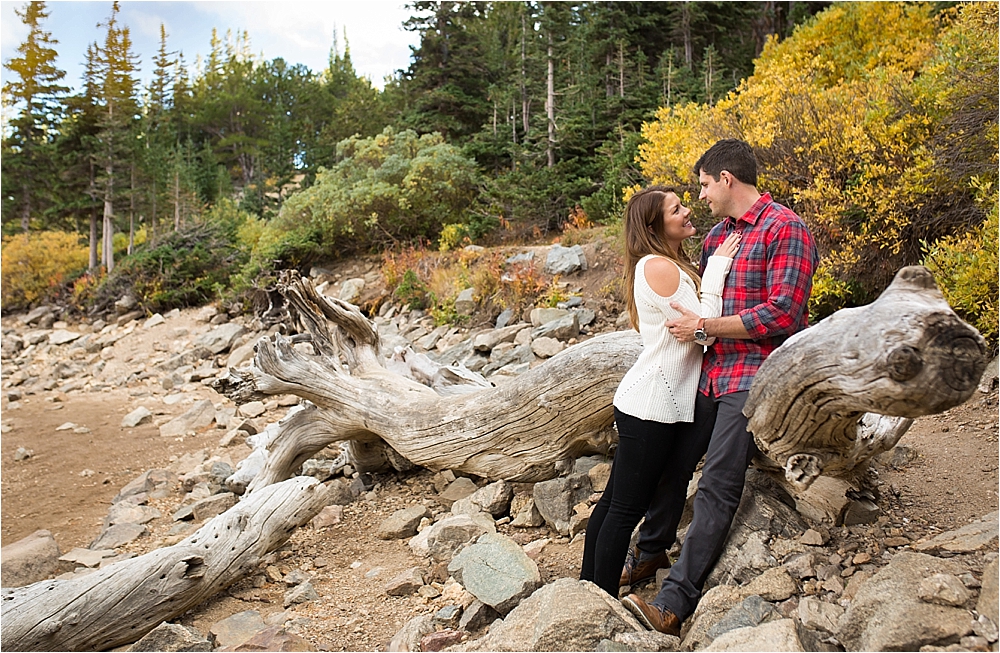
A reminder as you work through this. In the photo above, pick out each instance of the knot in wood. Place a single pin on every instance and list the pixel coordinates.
(904, 363)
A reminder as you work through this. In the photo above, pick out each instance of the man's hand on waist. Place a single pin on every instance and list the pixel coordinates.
(683, 328)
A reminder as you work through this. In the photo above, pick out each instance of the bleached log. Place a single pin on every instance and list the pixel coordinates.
(905, 355)
(120, 603)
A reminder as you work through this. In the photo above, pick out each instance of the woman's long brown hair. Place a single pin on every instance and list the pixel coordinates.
(643, 236)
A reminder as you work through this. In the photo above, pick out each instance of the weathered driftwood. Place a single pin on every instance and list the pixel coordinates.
(905, 355)
(519, 431)
(120, 603)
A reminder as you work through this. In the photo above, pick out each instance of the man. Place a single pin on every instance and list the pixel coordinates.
(764, 301)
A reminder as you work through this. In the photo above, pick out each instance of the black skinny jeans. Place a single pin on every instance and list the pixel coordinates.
(647, 451)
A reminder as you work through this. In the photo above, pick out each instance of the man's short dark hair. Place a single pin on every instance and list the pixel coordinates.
(732, 155)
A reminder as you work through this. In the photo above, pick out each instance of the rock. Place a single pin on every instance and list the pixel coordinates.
(405, 583)
(819, 615)
(460, 488)
(328, 516)
(599, 475)
(487, 340)
(973, 537)
(448, 616)
(812, 538)
(477, 615)
(36, 315)
(541, 316)
(61, 337)
(302, 593)
(528, 516)
(886, 614)
(199, 416)
(23, 454)
(898, 457)
(150, 481)
(136, 417)
(172, 637)
(452, 533)
(943, 589)
(275, 638)
(504, 318)
(988, 382)
(564, 260)
(465, 303)
(562, 329)
(496, 571)
(714, 605)
(773, 585)
(750, 612)
(566, 615)
(155, 320)
(780, 635)
(242, 354)
(439, 640)
(252, 409)
(545, 347)
(402, 523)
(555, 499)
(29, 560)
(236, 629)
(86, 557)
(409, 636)
(212, 506)
(127, 512)
(987, 605)
(351, 289)
(861, 511)
(221, 338)
(494, 499)
(118, 535)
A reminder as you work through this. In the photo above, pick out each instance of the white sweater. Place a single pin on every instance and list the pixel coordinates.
(663, 382)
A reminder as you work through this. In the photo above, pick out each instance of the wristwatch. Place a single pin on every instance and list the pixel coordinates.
(699, 332)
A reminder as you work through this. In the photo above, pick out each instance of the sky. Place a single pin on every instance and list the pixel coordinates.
(299, 32)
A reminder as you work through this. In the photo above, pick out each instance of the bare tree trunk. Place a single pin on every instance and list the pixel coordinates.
(524, 76)
(120, 603)
(92, 265)
(131, 212)
(621, 69)
(177, 200)
(550, 104)
(686, 33)
(108, 230)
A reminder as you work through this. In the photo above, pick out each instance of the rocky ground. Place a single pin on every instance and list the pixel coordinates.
(88, 408)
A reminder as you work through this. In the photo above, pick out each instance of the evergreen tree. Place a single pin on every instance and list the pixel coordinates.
(36, 88)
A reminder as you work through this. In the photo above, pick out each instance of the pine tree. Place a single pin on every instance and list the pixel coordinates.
(27, 152)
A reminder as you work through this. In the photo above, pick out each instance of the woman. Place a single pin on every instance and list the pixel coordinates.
(654, 404)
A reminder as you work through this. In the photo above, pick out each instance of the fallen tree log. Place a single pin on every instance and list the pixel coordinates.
(905, 355)
(120, 603)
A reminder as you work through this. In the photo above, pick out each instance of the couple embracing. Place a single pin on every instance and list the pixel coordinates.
(679, 401)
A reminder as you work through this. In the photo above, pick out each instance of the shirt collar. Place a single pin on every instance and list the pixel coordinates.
(750, 217)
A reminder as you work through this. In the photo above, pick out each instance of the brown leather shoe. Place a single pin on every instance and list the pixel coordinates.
(653, 616)
(636, 570)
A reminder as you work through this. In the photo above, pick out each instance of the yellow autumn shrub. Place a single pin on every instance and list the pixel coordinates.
(856, 123)
(36, 265)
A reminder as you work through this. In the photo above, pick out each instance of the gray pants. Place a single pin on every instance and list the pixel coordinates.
(730, 448)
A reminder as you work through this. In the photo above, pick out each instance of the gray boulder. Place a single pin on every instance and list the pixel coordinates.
(555, 499)
(465, 303)
(29, 560)
(542, 315)
(819, 615)
(409, 636)
(987, 605)
(564, 260)
(301, 593)
(136, 417)
(443, 539)
(750, 612)
(494, 499)
(199, 416)
(487, 340)
(236, 629)
(118, 535)
(172, 637)
(402, 523)
(221, 338)
(973, 537)
(406, 583)
(351, 289)
(496, 571)
(887, 615)
(781, 635)
(567, 615)
(460, 488)
(562, 329)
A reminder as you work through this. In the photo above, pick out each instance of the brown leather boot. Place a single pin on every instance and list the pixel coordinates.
(637, 570)
(653, 616)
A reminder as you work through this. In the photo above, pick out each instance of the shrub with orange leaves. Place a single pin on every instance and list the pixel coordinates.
(37, 265)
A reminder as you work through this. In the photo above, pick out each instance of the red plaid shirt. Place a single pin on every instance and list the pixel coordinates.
(768, 287)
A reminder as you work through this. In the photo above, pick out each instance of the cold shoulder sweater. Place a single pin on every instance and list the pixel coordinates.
(662, 383)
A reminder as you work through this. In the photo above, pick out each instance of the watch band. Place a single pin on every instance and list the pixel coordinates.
(701, 325)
